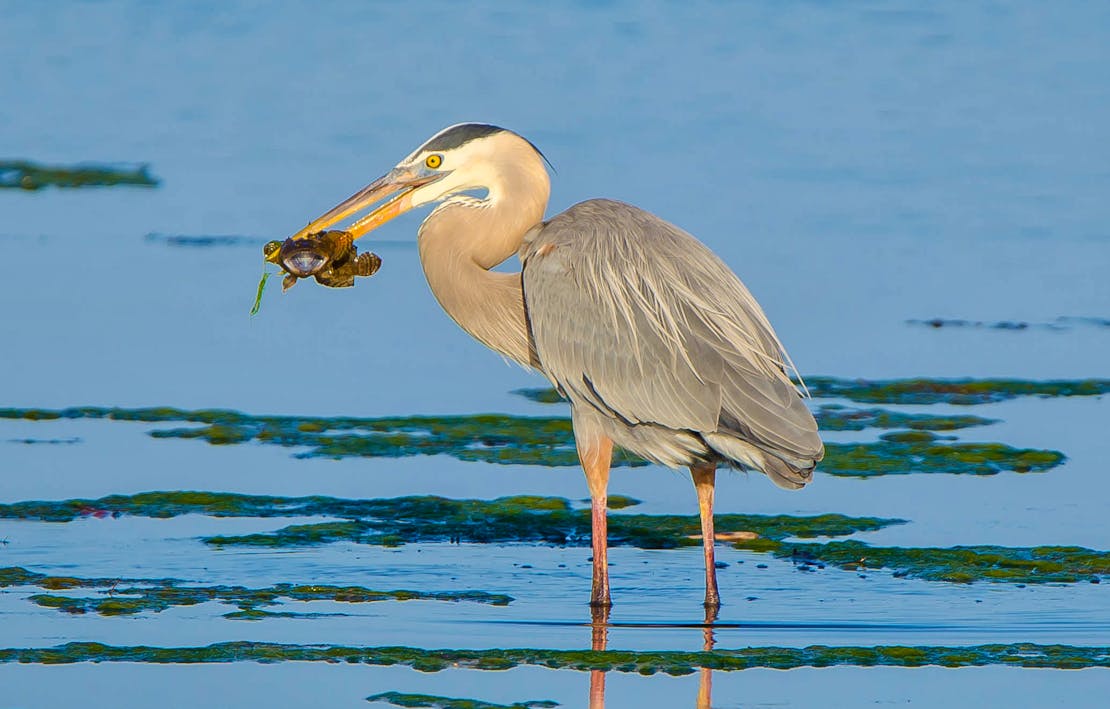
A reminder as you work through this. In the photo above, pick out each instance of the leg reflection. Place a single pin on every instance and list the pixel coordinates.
(599, 641)
(705, 684)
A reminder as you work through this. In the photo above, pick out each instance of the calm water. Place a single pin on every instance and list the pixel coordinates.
(858, 164)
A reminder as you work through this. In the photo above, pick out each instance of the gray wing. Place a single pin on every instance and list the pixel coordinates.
(637, 319)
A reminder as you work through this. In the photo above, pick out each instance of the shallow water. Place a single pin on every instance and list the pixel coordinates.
(339, 685)
(859, 165)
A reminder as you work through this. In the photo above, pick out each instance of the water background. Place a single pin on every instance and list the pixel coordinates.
(858, 164)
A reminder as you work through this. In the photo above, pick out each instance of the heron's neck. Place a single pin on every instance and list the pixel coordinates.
(459, 243)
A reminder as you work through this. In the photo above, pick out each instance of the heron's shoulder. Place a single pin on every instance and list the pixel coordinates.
(603, 211)
(600, 222)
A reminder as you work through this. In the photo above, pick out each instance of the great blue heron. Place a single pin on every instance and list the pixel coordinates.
(658, 346)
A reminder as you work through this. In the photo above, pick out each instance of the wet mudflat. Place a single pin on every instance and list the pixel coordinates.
(344, 498)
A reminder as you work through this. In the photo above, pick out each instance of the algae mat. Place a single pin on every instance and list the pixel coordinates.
(556, 521)
(130, 596)
(521, 518)
(548, 441)
(640, 662)
(431, 701)
(26, 175)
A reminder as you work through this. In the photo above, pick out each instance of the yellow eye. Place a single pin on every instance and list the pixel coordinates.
(434, 161)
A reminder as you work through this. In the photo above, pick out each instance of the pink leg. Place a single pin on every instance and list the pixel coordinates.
(596, 456)
(705, 476)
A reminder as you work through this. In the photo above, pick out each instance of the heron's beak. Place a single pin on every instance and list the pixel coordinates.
(398, 185)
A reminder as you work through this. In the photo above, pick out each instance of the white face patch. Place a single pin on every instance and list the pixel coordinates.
(471, 168)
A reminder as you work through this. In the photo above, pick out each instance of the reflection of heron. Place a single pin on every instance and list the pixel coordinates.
(705, 681)
(599, 642)
(656, 343)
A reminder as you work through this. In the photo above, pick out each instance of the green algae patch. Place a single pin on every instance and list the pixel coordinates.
(256, 614)
(16, 576)
(961, 564)
(517, 519)
(640, 662)
(132, 596)
(549, 441)
(502, 521)
(961, 392)
(403, 699)
(492, 438)
(905, 452)
(130, 600)
(835, 417)
(619, 502)
(25, 175)
(424, 509)
(429, 518)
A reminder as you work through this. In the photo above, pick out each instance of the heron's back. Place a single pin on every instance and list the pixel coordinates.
(660, 346)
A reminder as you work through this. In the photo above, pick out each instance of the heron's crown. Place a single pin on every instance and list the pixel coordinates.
(458, 135)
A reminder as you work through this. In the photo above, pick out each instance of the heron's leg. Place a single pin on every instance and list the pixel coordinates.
(705, 477)
(596, 454)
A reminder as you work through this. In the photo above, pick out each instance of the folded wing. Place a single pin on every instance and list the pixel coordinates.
(637, 319)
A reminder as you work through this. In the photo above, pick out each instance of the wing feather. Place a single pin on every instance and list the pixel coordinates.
(639, 320)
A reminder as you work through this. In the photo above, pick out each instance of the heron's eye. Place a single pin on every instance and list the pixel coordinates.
(434, 161)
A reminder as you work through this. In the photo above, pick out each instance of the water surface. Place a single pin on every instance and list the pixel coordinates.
(858, 164)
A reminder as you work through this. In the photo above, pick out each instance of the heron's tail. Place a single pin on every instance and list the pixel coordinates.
(787, 473)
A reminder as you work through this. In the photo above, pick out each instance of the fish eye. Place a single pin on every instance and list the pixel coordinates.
(434, 161)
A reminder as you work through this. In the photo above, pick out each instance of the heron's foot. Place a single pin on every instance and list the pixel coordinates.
(712, 596)
(601, 601)
(711, 615)
(599, 615)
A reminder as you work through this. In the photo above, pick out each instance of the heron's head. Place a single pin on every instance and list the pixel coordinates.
(467, 157)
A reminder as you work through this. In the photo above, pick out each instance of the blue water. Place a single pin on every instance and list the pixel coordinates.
(858, 164)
